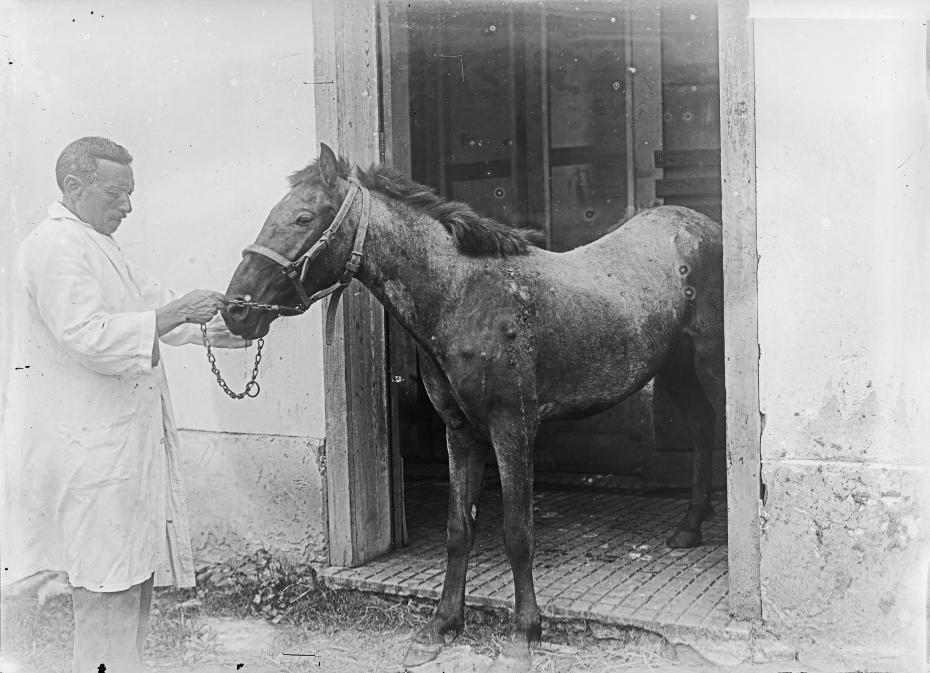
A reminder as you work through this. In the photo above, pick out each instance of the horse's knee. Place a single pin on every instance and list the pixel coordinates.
(459, 536)
(519, 544)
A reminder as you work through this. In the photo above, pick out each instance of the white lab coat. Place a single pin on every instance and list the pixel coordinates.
(91, 483)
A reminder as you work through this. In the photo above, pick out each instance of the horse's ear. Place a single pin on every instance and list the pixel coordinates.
(327, 165)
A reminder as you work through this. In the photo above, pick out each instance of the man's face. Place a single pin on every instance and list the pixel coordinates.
(104, 202)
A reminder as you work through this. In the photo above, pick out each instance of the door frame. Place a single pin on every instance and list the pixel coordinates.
(356, 112)
(741, 305)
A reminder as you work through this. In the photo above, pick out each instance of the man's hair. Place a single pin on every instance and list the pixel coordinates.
(80, 158)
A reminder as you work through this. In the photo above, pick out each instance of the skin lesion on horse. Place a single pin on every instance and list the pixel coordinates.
(509, 335)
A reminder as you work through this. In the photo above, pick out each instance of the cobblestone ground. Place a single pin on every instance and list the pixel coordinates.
(600, 555)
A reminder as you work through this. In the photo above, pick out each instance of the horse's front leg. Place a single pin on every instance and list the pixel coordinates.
(467, 456)
(513, 446)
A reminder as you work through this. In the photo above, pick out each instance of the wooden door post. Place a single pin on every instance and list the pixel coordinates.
(741, 299)
(358, 470)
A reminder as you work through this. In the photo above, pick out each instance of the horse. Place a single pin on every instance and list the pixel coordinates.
(509, 335)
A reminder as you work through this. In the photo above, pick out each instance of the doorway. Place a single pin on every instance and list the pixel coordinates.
(362, 474)
(568, 120)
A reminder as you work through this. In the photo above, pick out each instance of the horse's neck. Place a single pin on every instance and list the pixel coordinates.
(412, 267)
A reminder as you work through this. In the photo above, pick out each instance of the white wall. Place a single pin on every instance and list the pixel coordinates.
(842, 148)
(215, 101)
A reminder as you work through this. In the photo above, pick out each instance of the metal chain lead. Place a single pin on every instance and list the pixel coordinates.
(252, 389)
(277, 308)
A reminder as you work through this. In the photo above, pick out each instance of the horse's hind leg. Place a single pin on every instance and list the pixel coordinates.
(687, 387)
(467, 456)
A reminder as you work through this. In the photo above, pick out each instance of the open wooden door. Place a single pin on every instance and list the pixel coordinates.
(358, 463)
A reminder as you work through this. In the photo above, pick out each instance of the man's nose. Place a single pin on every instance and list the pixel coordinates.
(126, 205)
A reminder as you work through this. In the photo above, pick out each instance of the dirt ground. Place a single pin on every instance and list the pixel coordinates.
(364, 633)
(326, 631)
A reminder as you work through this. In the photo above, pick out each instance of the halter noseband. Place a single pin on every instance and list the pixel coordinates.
(296, 271)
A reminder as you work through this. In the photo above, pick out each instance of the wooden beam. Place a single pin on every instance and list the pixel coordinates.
(647, 99)
(687, 186)
(357, 455)
(740, 265)
(536, 96)
(687, 158)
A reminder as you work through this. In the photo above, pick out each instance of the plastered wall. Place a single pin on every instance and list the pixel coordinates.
(842, 150)
(215, 102)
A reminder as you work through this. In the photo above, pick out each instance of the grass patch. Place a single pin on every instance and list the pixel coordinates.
(174, 633)
(37, 638)
(270, 587)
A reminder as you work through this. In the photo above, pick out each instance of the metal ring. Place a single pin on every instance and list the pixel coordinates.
(250, 387)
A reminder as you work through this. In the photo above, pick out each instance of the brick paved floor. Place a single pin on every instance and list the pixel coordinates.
(600, 554)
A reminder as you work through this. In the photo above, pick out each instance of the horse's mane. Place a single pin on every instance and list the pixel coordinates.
(473, 234)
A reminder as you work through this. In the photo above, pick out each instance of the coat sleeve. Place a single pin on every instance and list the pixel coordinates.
(70, 300)
(157, 294)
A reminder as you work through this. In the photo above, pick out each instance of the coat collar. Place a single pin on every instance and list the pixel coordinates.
(59, 211)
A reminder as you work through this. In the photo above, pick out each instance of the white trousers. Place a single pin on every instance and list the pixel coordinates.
(110, 629)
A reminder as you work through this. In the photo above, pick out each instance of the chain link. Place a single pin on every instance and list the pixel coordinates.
(252, 389)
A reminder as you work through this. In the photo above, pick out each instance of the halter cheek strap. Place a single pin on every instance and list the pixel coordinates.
(352, 266)
(296, 271)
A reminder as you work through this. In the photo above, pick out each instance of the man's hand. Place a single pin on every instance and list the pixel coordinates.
(197, 306)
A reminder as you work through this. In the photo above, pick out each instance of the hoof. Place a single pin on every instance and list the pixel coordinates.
(514, 657)
(420, 653)
(684, 539)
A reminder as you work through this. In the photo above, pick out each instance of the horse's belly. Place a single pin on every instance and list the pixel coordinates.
(569, 386)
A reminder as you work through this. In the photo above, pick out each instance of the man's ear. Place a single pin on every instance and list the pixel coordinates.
(327, 165)
(72, 186)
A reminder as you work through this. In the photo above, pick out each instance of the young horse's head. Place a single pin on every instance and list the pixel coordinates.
(315, 234)
(276, 269)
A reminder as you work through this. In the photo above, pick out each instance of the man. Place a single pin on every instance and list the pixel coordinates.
(91, 482)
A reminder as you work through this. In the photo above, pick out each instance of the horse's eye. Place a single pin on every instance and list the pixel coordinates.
(304, 219)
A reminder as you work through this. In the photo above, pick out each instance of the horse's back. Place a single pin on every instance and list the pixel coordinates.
(652, 230)
(648, 250)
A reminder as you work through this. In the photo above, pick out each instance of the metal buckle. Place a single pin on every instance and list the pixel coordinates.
(355, 261)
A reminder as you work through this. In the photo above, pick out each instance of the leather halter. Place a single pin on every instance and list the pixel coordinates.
(296, 271)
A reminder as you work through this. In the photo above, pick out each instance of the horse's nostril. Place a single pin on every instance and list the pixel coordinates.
(236, 310)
